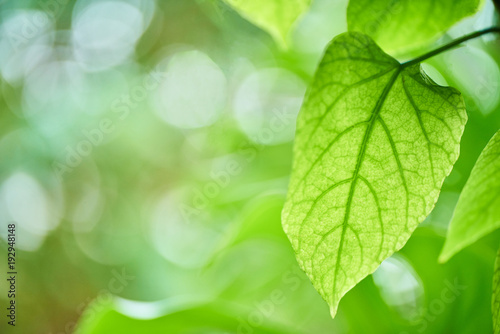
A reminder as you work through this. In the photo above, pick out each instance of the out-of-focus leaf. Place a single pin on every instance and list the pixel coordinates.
(375, 140)
(406, 24)
(478, 208)
(105, 317)
(275, 16)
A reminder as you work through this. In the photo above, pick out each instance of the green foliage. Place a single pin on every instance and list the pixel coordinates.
(375, 140)
(478, 210)
(406, 24)
(275, 16)
(205, 318)
(495, 302)
(188, 201)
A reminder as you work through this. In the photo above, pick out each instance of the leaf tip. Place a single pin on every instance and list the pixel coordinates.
(443, 258)
(446, 253)
(333, 310)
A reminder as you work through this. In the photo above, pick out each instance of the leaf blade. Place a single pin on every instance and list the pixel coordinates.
(277, 17)
(337, 212)
(478, 209)
(380, 19)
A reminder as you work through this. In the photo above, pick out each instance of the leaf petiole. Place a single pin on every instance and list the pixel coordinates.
(451, 45)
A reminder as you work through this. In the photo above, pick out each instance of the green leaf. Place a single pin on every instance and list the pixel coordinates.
(375, 140)
(478, 209)
(104, 316)
(495, 301)
(406, 24)
(275, 16)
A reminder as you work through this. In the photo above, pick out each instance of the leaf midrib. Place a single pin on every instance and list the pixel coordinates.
(330, 107)
(359, 162)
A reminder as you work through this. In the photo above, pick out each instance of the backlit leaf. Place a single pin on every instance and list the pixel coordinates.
(478, 209)
(402, 24)
(275, 16)
(375, 140)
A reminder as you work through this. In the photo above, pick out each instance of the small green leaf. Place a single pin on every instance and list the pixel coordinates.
(406, 24)
(275, 16)
(375, 140)
(495, 301)
(478, 209)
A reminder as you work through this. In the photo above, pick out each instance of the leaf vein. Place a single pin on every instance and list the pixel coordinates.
(374, 115)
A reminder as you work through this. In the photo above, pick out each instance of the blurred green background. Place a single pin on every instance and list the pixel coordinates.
(145, 152)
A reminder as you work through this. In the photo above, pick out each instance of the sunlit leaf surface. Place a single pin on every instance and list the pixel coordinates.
(478, 210)
(375, 140)
(416, 22)
(275, 16)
